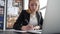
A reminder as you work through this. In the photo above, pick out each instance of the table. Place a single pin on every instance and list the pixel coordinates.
(17, 32)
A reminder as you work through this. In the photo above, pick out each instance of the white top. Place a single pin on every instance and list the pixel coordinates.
(33, 20)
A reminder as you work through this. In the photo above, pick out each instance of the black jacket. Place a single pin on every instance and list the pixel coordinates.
(24, 19)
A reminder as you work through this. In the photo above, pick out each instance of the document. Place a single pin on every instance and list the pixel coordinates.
(29, 31)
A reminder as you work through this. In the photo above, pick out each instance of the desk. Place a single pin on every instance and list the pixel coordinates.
(21, 32)
(17, 32)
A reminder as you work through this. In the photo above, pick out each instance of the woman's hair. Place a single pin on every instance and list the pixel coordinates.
(38, 3)
(33, 0)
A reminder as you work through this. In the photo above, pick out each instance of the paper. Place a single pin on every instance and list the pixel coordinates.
(35, 31)
(31, 31)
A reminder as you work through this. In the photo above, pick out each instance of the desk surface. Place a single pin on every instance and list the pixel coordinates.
(21, 32)
(18, 32)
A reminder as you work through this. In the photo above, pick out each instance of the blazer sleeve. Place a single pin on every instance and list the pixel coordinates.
(19, 21)
(41, 20)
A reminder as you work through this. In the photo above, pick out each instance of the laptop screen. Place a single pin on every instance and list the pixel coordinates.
(51, 22)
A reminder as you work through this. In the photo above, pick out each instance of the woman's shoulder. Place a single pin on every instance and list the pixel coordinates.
(39, 13)
(24, 12)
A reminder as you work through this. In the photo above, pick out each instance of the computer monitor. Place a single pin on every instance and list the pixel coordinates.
(51, 22)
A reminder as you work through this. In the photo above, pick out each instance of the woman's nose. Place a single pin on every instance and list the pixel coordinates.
(34, 7)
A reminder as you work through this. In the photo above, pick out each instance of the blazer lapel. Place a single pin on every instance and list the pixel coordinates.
(38, 17)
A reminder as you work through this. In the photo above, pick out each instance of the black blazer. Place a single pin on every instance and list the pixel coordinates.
(24, 19)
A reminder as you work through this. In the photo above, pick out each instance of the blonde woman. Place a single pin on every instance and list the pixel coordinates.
(30, 19)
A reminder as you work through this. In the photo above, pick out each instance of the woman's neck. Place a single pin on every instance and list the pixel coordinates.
(33, 13)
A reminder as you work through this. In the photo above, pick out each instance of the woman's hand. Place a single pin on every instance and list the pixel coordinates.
(24, 28)
(36, 27)
(30, 27)
(27, 27)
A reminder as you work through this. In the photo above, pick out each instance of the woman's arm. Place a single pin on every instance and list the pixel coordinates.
(18, 24)
(41, 21)
(39, 26)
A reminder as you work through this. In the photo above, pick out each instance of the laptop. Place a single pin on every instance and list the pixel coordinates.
(51, 22)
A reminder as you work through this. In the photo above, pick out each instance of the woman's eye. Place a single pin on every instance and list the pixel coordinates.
(32, 4)
(35, 4)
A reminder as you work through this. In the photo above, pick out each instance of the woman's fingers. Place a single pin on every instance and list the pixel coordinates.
(36, 27)
(24, 28)
(30, 27)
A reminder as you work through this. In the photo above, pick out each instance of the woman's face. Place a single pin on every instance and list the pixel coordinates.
(33, 5)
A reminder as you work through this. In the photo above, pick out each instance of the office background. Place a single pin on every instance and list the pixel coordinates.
(12, 9)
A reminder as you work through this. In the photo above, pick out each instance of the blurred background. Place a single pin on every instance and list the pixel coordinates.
(1, 13)
(14, 8)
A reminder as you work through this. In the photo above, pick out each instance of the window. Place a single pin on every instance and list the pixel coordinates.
(43, 4)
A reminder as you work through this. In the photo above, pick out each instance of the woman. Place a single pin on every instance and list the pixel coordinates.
(30, 19)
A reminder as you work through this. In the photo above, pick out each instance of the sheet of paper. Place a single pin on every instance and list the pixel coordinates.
(31, 31)
(35, 31)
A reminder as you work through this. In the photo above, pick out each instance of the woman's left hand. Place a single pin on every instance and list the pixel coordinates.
(36, 27)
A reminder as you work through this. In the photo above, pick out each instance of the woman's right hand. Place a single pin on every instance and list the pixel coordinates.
(27, 27)
(24, 28)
